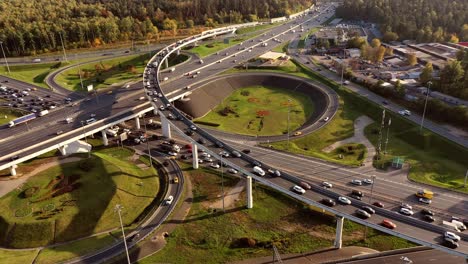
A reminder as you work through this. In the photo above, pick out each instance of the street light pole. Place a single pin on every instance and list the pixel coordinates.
(289, 111)
(425, 105)
(63, 47)
(4, 56)
(222, 181)
(118, 208)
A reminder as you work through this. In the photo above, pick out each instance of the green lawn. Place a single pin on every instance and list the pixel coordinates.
(32, 73)
(209, 237)
(215, 46)
(260, 110)
(17, 257)
(428, 165)
(45, 211)
(103, 73)
(281, 48)
(6, 115)
(75, 249)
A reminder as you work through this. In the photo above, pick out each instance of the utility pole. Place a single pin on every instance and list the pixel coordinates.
(379, 147)
(4, 56)
(428, 91)
(222, 181)
(119, 208)
(63, 47)
(388, 131)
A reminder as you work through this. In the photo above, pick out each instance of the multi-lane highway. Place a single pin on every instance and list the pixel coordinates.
(409, 228)
(175, 86)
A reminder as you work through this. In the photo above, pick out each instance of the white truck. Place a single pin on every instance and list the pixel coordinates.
(451, 225)
(259, 171)
(43, 112)
(459, 225)
(111, 132)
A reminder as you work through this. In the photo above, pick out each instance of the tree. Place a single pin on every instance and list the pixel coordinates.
(390, 36)
(426, 74)
(171, 25)
(189, 23)
(411, 59)
(464, 32)
(389, 51)
(356, 42)
(380, 54)
(375, 43)
(400, 89)
(453, 39)
(450, 76)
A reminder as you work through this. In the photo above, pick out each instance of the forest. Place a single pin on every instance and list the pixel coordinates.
(35, 27)
(421, 20)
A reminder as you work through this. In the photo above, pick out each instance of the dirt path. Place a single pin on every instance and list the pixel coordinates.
(16, 181)
(359, 124)
(231, 196)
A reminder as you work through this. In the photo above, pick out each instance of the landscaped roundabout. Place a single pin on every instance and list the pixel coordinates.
(265, 105)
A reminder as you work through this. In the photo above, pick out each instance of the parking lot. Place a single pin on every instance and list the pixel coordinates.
(21, 96)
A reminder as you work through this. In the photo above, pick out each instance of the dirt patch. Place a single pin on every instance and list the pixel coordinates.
(253, 100)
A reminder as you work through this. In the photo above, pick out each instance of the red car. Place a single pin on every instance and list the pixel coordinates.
(379, 204)
(388, 224)
(188, 146)
(305, 185)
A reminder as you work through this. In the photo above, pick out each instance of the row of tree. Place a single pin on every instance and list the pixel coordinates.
(31, 27)
(422, 20)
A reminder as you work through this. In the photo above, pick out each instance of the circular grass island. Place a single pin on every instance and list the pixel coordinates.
(256, 104)
(260, 111)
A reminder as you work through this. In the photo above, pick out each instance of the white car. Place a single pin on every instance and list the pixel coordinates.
(214, 165)
(208, 159)
(159, 95)
(169, 200)
(172, 153)
(407, 206)
(452, 236)
(204, 154)
(406, 211)
(298, 189)
(327, 185)
(193, 127)
(326, 119)
(425, 200)
(162, 108)
(224, 154)
(344, 200)
(356, 182)
(233, 171)
(367, 181)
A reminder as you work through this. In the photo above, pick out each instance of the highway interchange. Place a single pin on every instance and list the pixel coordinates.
(312, 171)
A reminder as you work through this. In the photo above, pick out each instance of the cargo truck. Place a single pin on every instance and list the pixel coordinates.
(22, 119)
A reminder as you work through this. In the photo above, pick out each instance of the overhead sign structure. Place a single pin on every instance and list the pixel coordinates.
(123, 136)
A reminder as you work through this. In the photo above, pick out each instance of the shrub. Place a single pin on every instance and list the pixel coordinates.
(29, 192)
(245, 93)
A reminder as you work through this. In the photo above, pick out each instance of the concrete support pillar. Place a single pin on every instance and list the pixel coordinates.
(137, 122)
(178, 52)
(166, 128)
(105, 141)
(63, 150)
(194, 156)
(13, 170)
(166, 64)
(339, 232)
(155, 111)
(249, 192)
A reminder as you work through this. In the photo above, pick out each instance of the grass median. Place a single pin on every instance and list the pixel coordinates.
(261, 111)
(6, 114)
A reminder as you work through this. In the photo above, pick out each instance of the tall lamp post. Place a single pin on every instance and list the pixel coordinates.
(429, 83)
(119, 208)
(4, 56)
(63, 47)
(289, 111)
